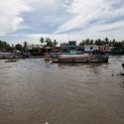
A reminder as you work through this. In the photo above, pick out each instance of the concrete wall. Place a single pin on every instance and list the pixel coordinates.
(104, 48)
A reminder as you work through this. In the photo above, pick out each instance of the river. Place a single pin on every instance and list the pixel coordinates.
(33, 91)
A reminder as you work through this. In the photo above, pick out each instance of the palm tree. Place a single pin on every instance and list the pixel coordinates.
(55, 43)
(106, 40)
(25, 45)
(42, 40)
(48, 42)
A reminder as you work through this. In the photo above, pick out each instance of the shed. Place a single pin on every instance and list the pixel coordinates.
(90, 48)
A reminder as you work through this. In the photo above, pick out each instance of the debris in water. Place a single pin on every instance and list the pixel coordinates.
(121, 74)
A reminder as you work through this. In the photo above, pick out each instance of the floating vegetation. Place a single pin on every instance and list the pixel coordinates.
(10, 60)
(112, 74)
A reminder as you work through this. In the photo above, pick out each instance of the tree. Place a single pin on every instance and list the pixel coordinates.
(91, 41)
(42, 40)
(25, 45)
(63, 44)
(99, 42)
(49, 42)
(8, 48)
(113, 42)
(55, 43)
(12, 47)
(18, 47)
(81, 43)
(4, 44)
(106, 40)
(87, 41)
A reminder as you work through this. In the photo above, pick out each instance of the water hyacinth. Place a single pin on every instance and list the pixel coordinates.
(10, 60)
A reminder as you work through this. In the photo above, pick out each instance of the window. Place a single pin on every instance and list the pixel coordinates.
(91, 48)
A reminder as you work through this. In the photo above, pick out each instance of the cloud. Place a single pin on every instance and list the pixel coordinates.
(47, 14)
(10, 15)
(58, 18)
(87, 14)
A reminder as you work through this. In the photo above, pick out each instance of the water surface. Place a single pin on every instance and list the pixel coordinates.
(33, 91)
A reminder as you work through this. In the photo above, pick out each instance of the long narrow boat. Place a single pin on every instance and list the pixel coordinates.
(79, 58)
(4, 55)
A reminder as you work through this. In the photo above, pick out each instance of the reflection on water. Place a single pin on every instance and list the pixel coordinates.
(33, 91)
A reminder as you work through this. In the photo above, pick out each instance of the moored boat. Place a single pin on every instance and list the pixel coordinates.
(6, 55)
(82, 58)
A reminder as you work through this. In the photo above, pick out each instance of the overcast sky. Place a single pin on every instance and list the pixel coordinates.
(63, 20)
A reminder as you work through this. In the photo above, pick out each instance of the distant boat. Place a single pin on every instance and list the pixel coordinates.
(5, 53)
(82, 58)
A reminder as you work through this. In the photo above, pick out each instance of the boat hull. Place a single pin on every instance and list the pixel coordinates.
(80, 59)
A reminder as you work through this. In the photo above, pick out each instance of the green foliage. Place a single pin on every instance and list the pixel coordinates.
(87, 42)
(18, 47)
(42, 40)
(55, 42)
(64, 44)
(106, 41)
(25, 45)
(99, 42)
(48, 42)
(112, 74)
(5, 46)
(10, 60)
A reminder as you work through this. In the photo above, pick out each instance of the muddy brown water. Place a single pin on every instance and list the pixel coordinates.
(33, 91)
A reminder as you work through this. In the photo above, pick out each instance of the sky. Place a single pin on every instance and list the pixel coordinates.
(63, 20)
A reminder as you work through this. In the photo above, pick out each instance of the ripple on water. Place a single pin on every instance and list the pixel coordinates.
(34, 91)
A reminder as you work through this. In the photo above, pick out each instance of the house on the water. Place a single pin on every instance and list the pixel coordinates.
(70, 46)
(104, 48)
(90, 48)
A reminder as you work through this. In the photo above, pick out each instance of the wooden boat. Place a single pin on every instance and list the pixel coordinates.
(82, 58)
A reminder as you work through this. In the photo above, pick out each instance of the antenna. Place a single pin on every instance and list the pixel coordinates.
(30, 36)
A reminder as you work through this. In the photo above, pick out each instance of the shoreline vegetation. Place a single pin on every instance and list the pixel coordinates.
(4, 46)
(19, 51)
